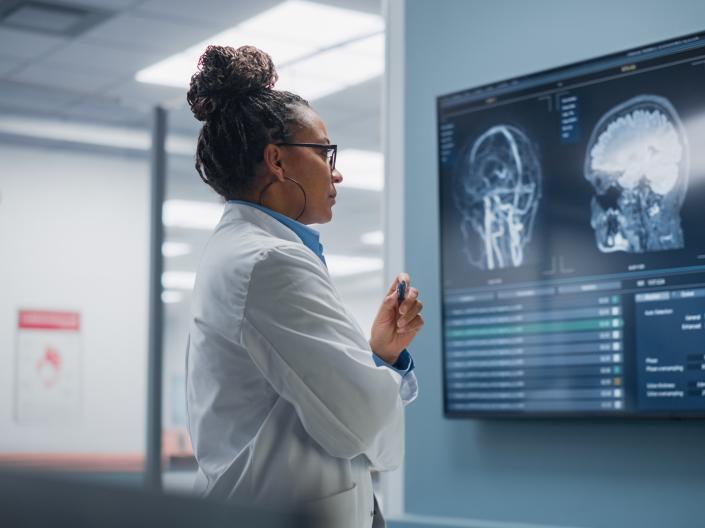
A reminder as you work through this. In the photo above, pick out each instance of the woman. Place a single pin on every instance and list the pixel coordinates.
(288, 403)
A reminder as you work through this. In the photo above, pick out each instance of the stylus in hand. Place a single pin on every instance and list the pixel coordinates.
(401, 292)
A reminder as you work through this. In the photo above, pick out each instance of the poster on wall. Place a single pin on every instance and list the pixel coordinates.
(48, 366)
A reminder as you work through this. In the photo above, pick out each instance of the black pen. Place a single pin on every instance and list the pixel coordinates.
(401, 292)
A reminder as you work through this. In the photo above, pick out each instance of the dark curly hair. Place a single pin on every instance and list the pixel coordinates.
(232, 93)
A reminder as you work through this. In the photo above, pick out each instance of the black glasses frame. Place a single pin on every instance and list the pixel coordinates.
(331, 150)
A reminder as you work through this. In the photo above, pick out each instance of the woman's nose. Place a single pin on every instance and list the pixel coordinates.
(337, 176)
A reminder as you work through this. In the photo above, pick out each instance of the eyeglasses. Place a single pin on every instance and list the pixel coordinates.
(331, 150)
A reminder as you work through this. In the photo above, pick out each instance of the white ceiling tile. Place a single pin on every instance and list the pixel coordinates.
(7, 65)
(68, 79)
(367, 6)
(26, 44)
(220, 13)
(29, 98)
(92, 57)
(114, 5)
(148, 34)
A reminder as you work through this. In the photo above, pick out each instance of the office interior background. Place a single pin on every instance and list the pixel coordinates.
(79, 84)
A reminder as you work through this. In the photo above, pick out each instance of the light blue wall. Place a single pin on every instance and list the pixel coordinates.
(570, 473)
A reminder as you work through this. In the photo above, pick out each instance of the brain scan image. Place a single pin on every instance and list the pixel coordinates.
(497, 191)
(637, 161)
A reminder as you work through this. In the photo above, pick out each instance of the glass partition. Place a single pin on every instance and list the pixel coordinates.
(73, 310)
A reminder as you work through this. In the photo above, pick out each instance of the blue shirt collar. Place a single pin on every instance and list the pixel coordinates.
(310, 237)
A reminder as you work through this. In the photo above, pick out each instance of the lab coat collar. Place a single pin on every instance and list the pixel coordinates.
(236, 209)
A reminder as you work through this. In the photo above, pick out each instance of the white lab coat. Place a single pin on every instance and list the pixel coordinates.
(285, 403)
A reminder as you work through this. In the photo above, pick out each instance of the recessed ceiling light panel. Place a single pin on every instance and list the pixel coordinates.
(49, 18)
(318, 49)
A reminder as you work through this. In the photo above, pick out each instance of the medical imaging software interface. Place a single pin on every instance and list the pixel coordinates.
(572, 208)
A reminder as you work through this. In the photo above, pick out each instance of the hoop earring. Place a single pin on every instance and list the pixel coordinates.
(300, 187)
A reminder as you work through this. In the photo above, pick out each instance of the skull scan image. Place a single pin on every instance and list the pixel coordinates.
(638, 162)
(497, 191)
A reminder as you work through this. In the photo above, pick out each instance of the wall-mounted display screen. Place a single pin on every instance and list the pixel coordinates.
(572, 206)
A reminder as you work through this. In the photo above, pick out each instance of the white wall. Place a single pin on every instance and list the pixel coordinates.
(74, 236)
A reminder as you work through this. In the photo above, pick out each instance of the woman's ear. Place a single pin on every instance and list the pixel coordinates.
(273, 161)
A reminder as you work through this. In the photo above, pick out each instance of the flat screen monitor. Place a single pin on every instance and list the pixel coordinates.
(572, 219)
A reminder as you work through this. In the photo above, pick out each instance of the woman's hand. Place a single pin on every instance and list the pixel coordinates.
(396, 325)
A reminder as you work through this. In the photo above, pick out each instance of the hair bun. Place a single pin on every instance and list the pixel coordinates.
(225, 73)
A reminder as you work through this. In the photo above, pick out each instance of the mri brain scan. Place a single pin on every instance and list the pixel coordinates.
(637, 162)
(497, 191)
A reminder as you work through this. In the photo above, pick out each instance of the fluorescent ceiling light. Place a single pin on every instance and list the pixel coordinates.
(361, 169)
(175, 249)
(178, 280)
(334, 70)
(373, 238)
(172, 296)
(318, 49)
(191, 214)
(344, 265)
(312, 24)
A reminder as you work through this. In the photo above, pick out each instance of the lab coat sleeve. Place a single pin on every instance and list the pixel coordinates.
(299, 336)
(409, 388)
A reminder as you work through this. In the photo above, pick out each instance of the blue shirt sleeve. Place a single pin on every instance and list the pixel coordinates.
(403, 365)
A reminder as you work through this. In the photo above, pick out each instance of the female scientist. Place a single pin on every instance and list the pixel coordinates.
(288, 403)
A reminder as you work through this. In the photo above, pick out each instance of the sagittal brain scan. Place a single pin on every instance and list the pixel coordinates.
(637, 162)
(497, 192)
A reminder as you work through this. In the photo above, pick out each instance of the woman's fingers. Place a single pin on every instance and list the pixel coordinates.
(409, 309)
(409, 301)
(404, 321)
(414, 326)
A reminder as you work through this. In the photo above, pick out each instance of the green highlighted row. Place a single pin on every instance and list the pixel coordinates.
(538, 328)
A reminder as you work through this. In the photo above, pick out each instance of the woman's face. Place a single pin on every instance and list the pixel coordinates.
(309, 166)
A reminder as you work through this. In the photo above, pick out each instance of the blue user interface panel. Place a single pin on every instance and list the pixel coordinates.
(572, 206)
